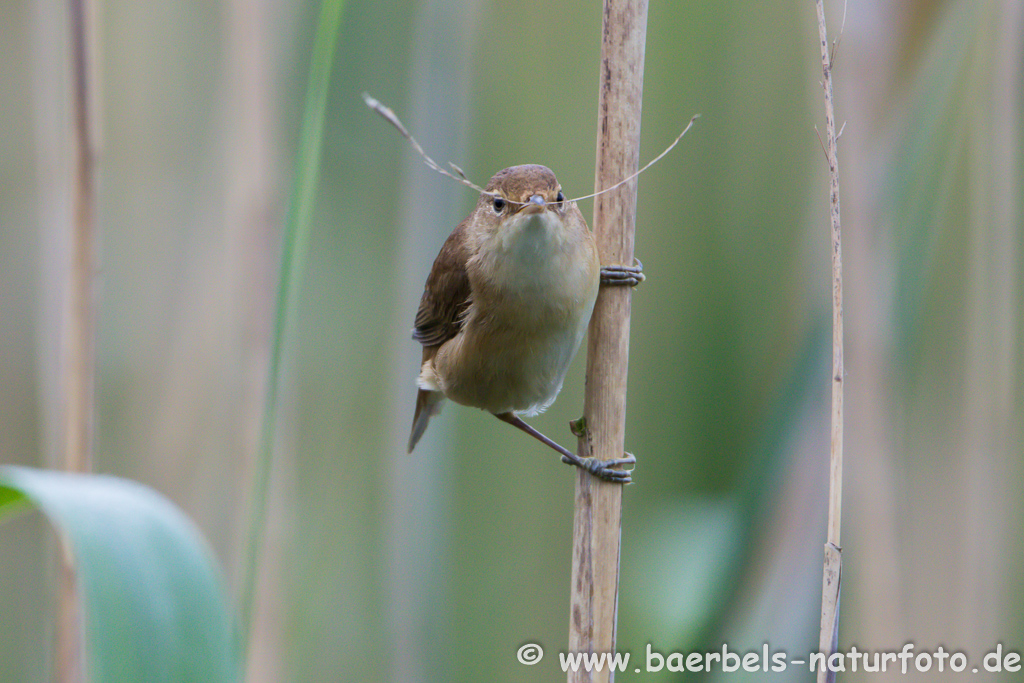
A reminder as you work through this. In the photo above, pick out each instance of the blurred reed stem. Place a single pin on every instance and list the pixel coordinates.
(832, 574)
(597, 522)
(78, 328)
(252, 225)
(992, 308)
(294, 247)
(873, 492)
(79, 345)
(420, 490)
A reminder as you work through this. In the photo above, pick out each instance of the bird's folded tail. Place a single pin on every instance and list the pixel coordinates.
(428, 404)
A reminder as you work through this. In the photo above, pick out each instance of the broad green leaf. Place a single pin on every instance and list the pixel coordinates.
(154, 603)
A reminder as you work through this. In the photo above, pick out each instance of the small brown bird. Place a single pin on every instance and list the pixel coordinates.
(506, 305)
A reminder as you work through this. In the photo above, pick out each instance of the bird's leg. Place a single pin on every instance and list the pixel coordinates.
(623, 275)
(599, 468)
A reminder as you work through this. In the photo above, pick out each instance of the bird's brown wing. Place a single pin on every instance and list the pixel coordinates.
(446, 295)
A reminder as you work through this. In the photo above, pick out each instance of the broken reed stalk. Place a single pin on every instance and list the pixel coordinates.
(598, 505)
(78, 345)
(828, 641)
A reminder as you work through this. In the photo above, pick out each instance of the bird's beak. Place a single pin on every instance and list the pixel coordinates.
(535, 204)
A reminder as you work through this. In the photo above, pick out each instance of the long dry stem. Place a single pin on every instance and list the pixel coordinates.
(597, 520)
(391, 117)
(78, 346)
(79, 365)
(832, 573)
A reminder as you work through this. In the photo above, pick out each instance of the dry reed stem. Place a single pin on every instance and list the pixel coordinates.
(832, 572)
(79, 335)
(78, 347)
(598, 505)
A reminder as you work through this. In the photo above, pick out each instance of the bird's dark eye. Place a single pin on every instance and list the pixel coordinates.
(559, 197)
(499, 204)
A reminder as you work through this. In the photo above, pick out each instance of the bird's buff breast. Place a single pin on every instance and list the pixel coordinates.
(526, 323)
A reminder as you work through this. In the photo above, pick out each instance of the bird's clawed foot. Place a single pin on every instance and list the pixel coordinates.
(630, 276)
(605, 469)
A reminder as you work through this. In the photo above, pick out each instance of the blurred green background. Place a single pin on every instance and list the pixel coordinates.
(437, 566)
